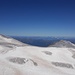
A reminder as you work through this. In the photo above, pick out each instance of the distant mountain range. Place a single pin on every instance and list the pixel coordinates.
(42, 41)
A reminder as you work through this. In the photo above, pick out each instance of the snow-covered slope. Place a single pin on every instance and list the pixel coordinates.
(31, 60)
(7, 44)
(4, 40)
(63, 43)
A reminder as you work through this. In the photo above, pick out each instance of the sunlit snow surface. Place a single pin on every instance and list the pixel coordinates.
(17, 58)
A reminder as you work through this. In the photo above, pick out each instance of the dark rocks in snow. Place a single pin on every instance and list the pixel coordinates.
(17, 60)
(34, 62)
(60, 64)
(47, 52)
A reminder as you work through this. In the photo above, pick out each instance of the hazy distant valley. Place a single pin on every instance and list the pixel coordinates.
(42, 41)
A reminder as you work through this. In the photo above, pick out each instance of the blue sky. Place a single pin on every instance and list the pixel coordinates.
(37, 17)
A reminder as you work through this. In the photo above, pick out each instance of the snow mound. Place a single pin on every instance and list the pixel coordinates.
(63, 43)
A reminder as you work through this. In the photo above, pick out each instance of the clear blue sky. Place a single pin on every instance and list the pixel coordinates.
(37, 17)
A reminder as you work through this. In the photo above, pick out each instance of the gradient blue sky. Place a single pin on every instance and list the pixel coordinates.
(37, 17)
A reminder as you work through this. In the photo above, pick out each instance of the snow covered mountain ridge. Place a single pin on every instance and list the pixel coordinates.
(6, 39)
(8, 43)
(63, 43)
(17, 58)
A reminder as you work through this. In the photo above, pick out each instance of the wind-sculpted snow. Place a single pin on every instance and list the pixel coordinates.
(17, 58)
(60, 64)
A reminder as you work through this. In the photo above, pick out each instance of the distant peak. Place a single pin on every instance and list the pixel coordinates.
(63, 43)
